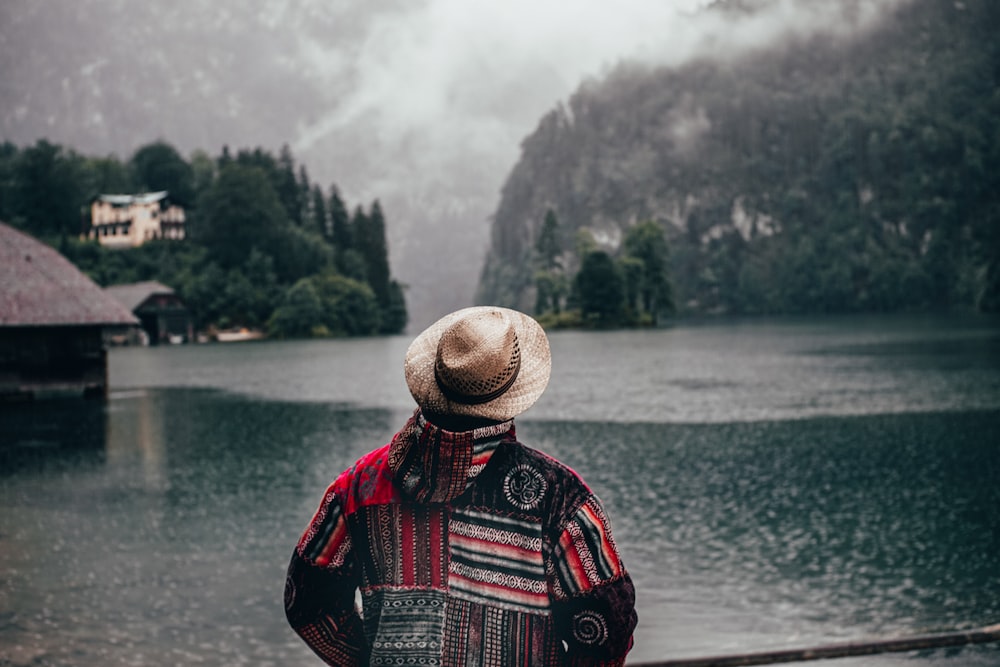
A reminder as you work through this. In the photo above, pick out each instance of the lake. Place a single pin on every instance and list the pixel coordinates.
(771, 483)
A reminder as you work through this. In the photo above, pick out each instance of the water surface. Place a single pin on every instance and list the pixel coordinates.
(771, 484)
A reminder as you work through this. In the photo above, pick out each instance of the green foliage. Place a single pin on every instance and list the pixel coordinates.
(568, 319)
(45, 190)
(647, 245)
(601, 290)
(239, 212)
(393, 314)
(158, 166)
(300, 313)
(349, 306)
(371, 244)
(633, 289)
(262, 245)
(341, 233)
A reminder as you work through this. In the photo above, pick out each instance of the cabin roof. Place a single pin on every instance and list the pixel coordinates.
(40, 287)
(125, 200)
(132, 295)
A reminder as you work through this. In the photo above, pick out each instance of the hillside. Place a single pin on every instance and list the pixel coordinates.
(826, 174)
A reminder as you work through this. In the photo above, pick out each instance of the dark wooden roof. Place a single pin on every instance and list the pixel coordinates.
(40, 287)
(133, 295)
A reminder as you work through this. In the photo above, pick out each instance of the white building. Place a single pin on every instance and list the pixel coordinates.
(127, 221)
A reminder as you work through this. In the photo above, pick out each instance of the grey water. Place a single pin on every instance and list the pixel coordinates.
(771, 484)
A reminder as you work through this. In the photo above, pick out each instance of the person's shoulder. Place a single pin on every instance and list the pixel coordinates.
(528, 473)
(520, 453)
(368, 481)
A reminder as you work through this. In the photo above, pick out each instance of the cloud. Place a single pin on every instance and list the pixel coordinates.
(437, 85)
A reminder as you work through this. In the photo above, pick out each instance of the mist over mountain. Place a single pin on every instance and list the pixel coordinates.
(833, 171)
(421, 105)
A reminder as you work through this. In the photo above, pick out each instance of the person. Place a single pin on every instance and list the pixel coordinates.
(467, 546)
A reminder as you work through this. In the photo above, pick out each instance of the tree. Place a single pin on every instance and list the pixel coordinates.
(340, 222)
(349, 307)
(287, 187)
(375, 251)
(320, 220)
(45, 193)
(600, 289)
(300, 313)
(394, 314)
(240, 212)
(203, 170)
(105, 175)
(550, 282)
(646, 243)
(158, 166)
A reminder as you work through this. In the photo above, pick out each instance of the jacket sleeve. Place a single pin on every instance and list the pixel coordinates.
(320, 587)
(593, 600)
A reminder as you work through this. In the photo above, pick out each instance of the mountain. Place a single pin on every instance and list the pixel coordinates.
(822, 173)
(110, 76)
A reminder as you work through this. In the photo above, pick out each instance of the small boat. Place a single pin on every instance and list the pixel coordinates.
(237, 335)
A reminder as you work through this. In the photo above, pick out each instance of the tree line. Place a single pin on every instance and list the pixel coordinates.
(266, 248)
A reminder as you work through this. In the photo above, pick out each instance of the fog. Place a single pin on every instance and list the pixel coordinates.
(420, 105)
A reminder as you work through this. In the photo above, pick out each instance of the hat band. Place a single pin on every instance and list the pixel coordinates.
(476, 399)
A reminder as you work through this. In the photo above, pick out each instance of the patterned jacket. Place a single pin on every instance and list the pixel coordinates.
(468, 548)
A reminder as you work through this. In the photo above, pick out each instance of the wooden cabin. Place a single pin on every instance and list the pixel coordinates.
(162, 314)
(53, 320)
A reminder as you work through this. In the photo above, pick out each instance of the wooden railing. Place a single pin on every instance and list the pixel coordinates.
(981, 635)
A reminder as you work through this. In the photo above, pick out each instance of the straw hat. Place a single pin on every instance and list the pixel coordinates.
(485, 361)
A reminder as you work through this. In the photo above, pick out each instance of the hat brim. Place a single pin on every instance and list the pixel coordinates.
(533, 377)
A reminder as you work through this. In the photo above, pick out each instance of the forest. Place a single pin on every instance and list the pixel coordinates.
(825, 174)
(265, 248)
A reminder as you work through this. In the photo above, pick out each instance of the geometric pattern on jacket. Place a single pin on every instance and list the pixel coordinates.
(468, 548)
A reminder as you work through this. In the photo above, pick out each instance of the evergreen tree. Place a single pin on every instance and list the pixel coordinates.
(287, 186)
(45, 192)
(305, 197)
(376, 253)
(240, 212)
(600, 289)
(321, 221)
(106, 175)
(394, 314)
(300, 313)
(550, 281)
(341, 233)
(158, 166)
(646, 243)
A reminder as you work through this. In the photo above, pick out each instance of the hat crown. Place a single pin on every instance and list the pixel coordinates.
(478, 358)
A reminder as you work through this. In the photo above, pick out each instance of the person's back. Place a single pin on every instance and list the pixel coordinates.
(468, 547)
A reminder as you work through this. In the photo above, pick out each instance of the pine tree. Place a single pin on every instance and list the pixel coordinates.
(320, 219)
(287, 186)
(340, 222)
(376, 254)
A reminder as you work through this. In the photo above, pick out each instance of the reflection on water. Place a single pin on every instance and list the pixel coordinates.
(167, 544)
(155, 529)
